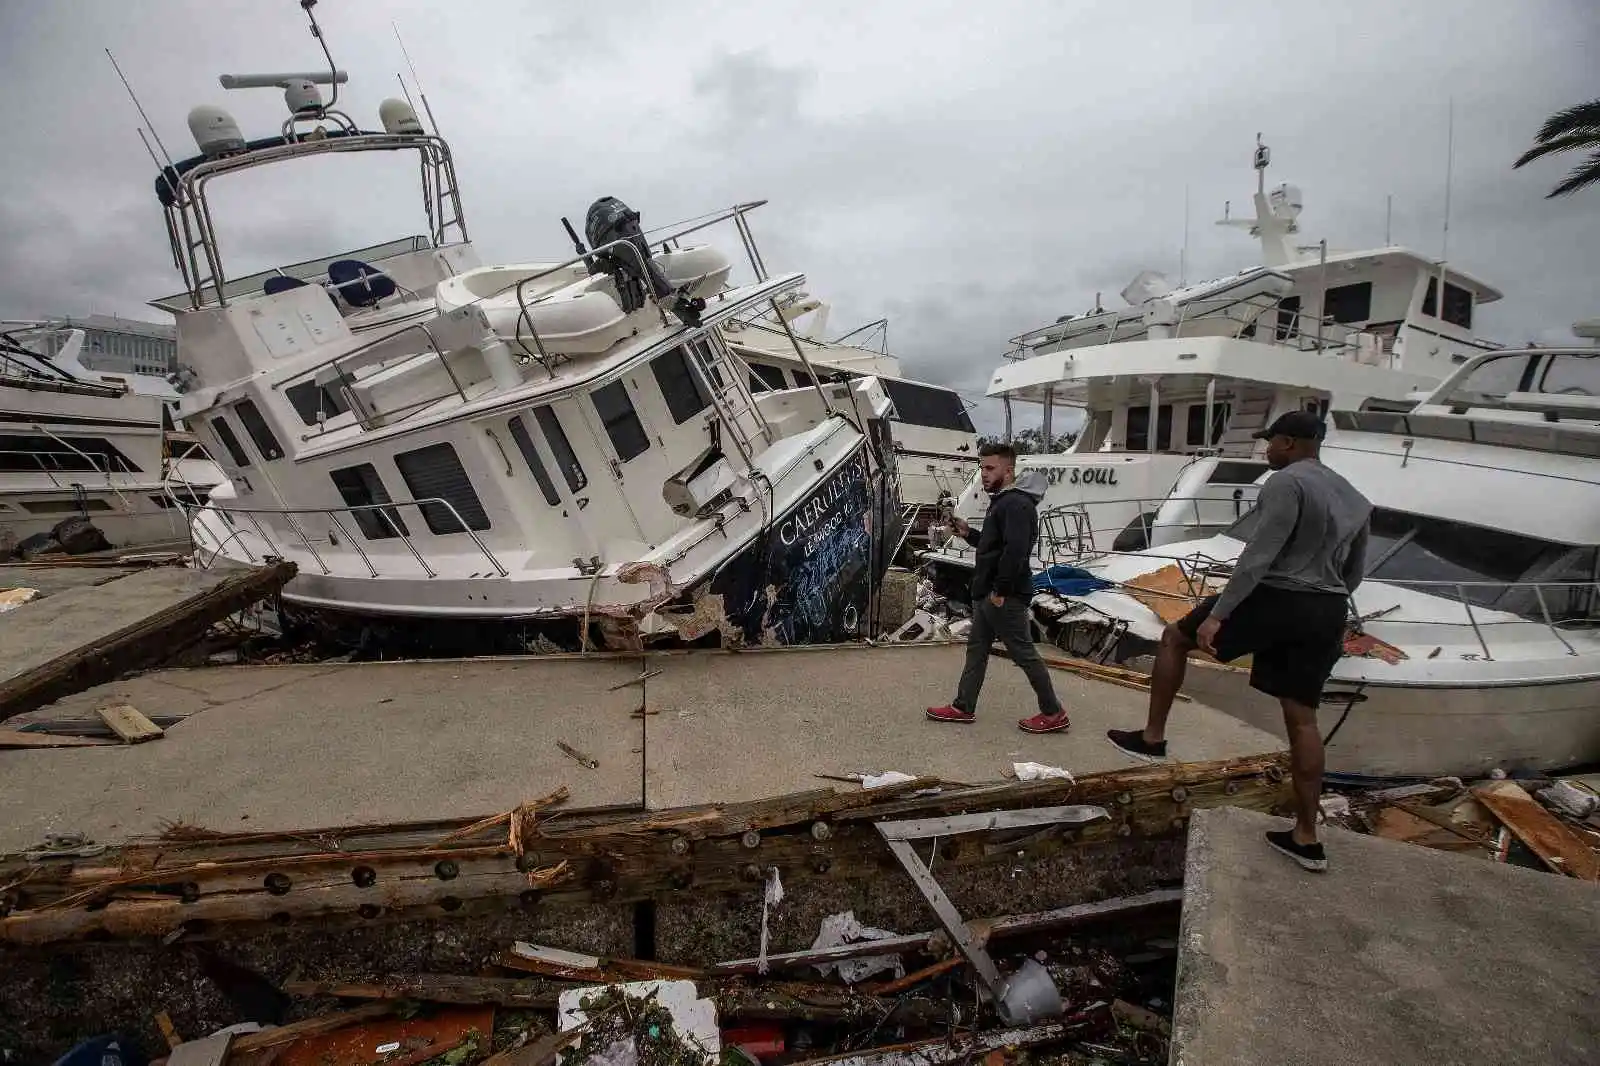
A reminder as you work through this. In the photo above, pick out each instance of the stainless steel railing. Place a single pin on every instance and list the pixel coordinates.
(331, 514)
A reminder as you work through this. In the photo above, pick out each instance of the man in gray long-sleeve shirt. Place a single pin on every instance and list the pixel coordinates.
(1284, 606)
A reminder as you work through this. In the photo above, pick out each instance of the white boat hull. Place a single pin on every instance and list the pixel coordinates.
(1430, 731)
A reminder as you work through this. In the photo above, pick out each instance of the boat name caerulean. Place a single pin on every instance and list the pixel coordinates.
(816, 508)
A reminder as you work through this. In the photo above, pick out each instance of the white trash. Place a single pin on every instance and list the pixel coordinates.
(840, 929)
(1038, 771)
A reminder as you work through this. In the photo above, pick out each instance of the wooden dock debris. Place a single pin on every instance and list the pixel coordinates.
(575, 966)
(437, 988)
(15, 738)
(44, 678)
(1557, 846)
(199, 880)
(322, 1023)
(125, 720)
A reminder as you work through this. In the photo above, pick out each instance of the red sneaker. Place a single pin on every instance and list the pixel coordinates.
(1044, 723)
(951, 714)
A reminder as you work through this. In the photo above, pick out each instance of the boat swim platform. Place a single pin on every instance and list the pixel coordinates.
(262, 748)
(94, 622)
(1397, 954)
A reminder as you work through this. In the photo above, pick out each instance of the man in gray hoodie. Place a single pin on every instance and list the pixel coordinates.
(1002, 589)
(1285, 606)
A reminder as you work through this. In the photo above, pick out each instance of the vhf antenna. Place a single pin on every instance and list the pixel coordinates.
(423, 93)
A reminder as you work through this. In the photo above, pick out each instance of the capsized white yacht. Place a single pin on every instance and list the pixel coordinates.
(935, 442)
(1482, 595)
(553, 452)
(85, 464)
(1173, 386)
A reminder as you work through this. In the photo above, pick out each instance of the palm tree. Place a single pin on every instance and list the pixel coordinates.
(1575, 129)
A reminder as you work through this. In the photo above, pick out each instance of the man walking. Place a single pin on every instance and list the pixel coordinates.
(1002, 588)
(1285, 604)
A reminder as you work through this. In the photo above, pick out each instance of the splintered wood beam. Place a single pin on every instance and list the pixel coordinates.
(14, 738)
(1557, 846)
(147, 641)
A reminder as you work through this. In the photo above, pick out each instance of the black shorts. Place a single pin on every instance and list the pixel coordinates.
(1295, 637)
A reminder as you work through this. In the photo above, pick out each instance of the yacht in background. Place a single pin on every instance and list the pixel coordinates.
(935, 442)
(1172, 387)
(1481, 605)
(77, 453)
(567, 454)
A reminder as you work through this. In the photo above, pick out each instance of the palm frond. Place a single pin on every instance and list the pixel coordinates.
(1576, 119)
(1582, 176)
(1570, 142)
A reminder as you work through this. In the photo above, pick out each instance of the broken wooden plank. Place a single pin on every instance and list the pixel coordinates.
(915, 977)
(1557, 846)
(15, 738)
(963, 1047)
(169, 1032)
(575, 966)
(150, 639)
(125, 720)
(504, 817)
(437, 988)
(540, 1052)
(322, 1023)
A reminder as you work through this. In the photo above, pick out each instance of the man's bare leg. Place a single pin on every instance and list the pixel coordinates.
(1305, 767)
(1172, 663)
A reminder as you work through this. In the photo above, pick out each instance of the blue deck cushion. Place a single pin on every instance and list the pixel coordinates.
(1069, 581)
(281, 283)
(360, 284)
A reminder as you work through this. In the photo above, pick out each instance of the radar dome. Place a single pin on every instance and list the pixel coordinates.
(214, 131)
(302, 96)
(398, 117)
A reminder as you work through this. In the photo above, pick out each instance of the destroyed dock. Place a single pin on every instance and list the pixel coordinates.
(438, 856)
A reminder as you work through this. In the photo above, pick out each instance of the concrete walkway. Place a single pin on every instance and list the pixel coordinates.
(1397, 955)
(282, 747)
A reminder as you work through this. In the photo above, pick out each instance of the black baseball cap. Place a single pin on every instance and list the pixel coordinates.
(1302, 425)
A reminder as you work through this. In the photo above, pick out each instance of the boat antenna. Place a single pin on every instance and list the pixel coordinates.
(1183, 256)
(406, 92)
(140, 108)
(1388, 220)
(1449, 173)
(423, 93)
(316, 31)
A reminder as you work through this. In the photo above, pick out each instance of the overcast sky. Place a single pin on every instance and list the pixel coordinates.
(969, 170)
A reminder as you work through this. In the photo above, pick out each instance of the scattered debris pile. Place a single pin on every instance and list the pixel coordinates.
(1551, 824)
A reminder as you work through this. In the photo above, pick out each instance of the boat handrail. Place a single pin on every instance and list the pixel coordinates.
(108, 464)
(332, 513)
(1065, 535)
(542, 357)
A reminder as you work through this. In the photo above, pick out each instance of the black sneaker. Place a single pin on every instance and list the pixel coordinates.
(1132, 742)
(1310, 856)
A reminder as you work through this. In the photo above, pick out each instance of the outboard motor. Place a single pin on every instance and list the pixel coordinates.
(610, 220)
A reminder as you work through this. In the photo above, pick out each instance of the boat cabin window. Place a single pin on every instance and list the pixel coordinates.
(26, 452)
(771, 375)
(680, 386)
(1562, 373)
(1407, 547)
(436, 473)
(802, 379)
(561, 448)
(1236, 472)
(230, 442)
(1348, 303)
(1137, 439)
(1195, 431)
(924, 405)
(530, 455)
(315, 403)
(64, 506)
(361, 487)
(1457, 304)
(621, 420)
(259, 431)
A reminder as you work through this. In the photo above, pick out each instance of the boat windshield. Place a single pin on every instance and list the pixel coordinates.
(1560, 373)
(1496, 569)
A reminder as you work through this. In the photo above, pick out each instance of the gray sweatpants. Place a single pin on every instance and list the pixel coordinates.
(1009, 624)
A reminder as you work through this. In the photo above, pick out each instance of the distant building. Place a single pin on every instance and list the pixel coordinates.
(117, 345)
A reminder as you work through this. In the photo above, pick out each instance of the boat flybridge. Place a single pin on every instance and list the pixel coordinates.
(1481, 605)
(1172, 387)
(77, 452)
(567, 452)
(935, 442)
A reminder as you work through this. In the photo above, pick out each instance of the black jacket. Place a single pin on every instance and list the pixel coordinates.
(1005, 544)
